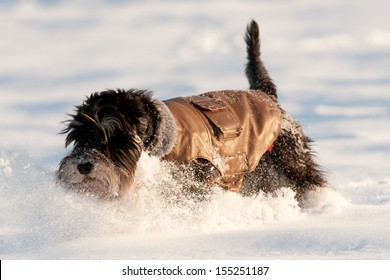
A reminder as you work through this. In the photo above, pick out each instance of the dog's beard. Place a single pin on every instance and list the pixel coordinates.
(92, 173)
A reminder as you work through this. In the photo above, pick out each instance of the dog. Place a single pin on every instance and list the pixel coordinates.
(240, 140)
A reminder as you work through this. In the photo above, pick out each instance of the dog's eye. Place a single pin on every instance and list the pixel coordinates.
(96, 144)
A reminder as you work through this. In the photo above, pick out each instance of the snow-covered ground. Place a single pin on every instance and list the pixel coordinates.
(330, 60)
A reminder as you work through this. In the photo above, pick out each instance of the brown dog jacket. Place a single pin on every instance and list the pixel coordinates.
(230, 129)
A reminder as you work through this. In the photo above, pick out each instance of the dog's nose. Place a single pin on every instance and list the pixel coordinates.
(85, 168)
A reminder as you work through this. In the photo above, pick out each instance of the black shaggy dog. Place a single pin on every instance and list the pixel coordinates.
(240, 140)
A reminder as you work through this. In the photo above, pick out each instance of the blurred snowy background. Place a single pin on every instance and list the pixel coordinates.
(330, 60)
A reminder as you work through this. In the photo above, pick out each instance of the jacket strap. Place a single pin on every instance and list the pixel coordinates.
(225, 125)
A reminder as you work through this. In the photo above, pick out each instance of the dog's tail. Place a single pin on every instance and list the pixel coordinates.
(255, 71)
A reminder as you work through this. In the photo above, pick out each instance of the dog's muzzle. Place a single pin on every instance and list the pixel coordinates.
(89, 172)
(85, 168)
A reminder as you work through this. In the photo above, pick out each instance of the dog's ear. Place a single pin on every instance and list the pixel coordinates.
(142, 126)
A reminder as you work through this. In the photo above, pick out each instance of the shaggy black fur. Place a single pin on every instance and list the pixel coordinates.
(290, 163)
(111, 129)
(109, 120)
(255, 71)
(117, 125)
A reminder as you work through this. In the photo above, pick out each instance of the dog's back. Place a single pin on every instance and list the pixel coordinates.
(230, 129)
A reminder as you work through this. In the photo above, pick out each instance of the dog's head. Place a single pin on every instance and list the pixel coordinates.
(108, 131)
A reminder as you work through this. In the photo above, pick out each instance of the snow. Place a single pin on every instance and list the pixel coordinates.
(329, 60)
